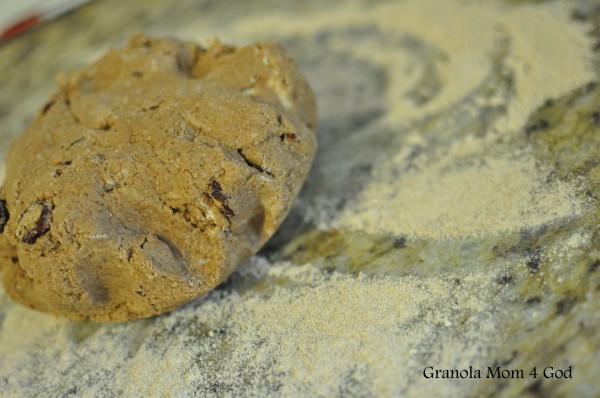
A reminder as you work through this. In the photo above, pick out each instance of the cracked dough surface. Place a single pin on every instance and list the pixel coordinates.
(151, 175)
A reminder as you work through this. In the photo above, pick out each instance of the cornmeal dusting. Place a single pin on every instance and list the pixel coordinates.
(321, 334)
(466, 192)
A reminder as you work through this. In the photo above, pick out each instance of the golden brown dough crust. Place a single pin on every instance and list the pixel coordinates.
(151, 175)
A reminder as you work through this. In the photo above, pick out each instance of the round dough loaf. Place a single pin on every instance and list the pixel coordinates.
(151, 175)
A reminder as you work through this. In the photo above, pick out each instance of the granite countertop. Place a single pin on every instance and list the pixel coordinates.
(449, 222)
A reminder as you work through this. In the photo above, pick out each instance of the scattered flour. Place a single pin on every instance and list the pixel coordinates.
(466, 192)
(318, 334)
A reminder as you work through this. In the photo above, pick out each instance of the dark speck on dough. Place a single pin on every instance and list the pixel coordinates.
(228, 211)
(217, 191)
(288, 135)
(42, 226)
(48, 106)
(4, 216)
(77, 141)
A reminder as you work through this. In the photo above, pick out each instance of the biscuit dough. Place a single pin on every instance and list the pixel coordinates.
(151, 175)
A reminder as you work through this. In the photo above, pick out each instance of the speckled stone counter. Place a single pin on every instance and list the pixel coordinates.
(445, 243)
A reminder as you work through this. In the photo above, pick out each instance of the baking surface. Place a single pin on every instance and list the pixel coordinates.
(449, 220)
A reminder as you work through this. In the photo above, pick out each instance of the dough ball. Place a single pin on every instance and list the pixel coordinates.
(151, 175)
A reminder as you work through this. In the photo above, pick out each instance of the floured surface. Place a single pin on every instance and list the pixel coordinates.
(366, 324)
(461, 194)
(450, 218)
